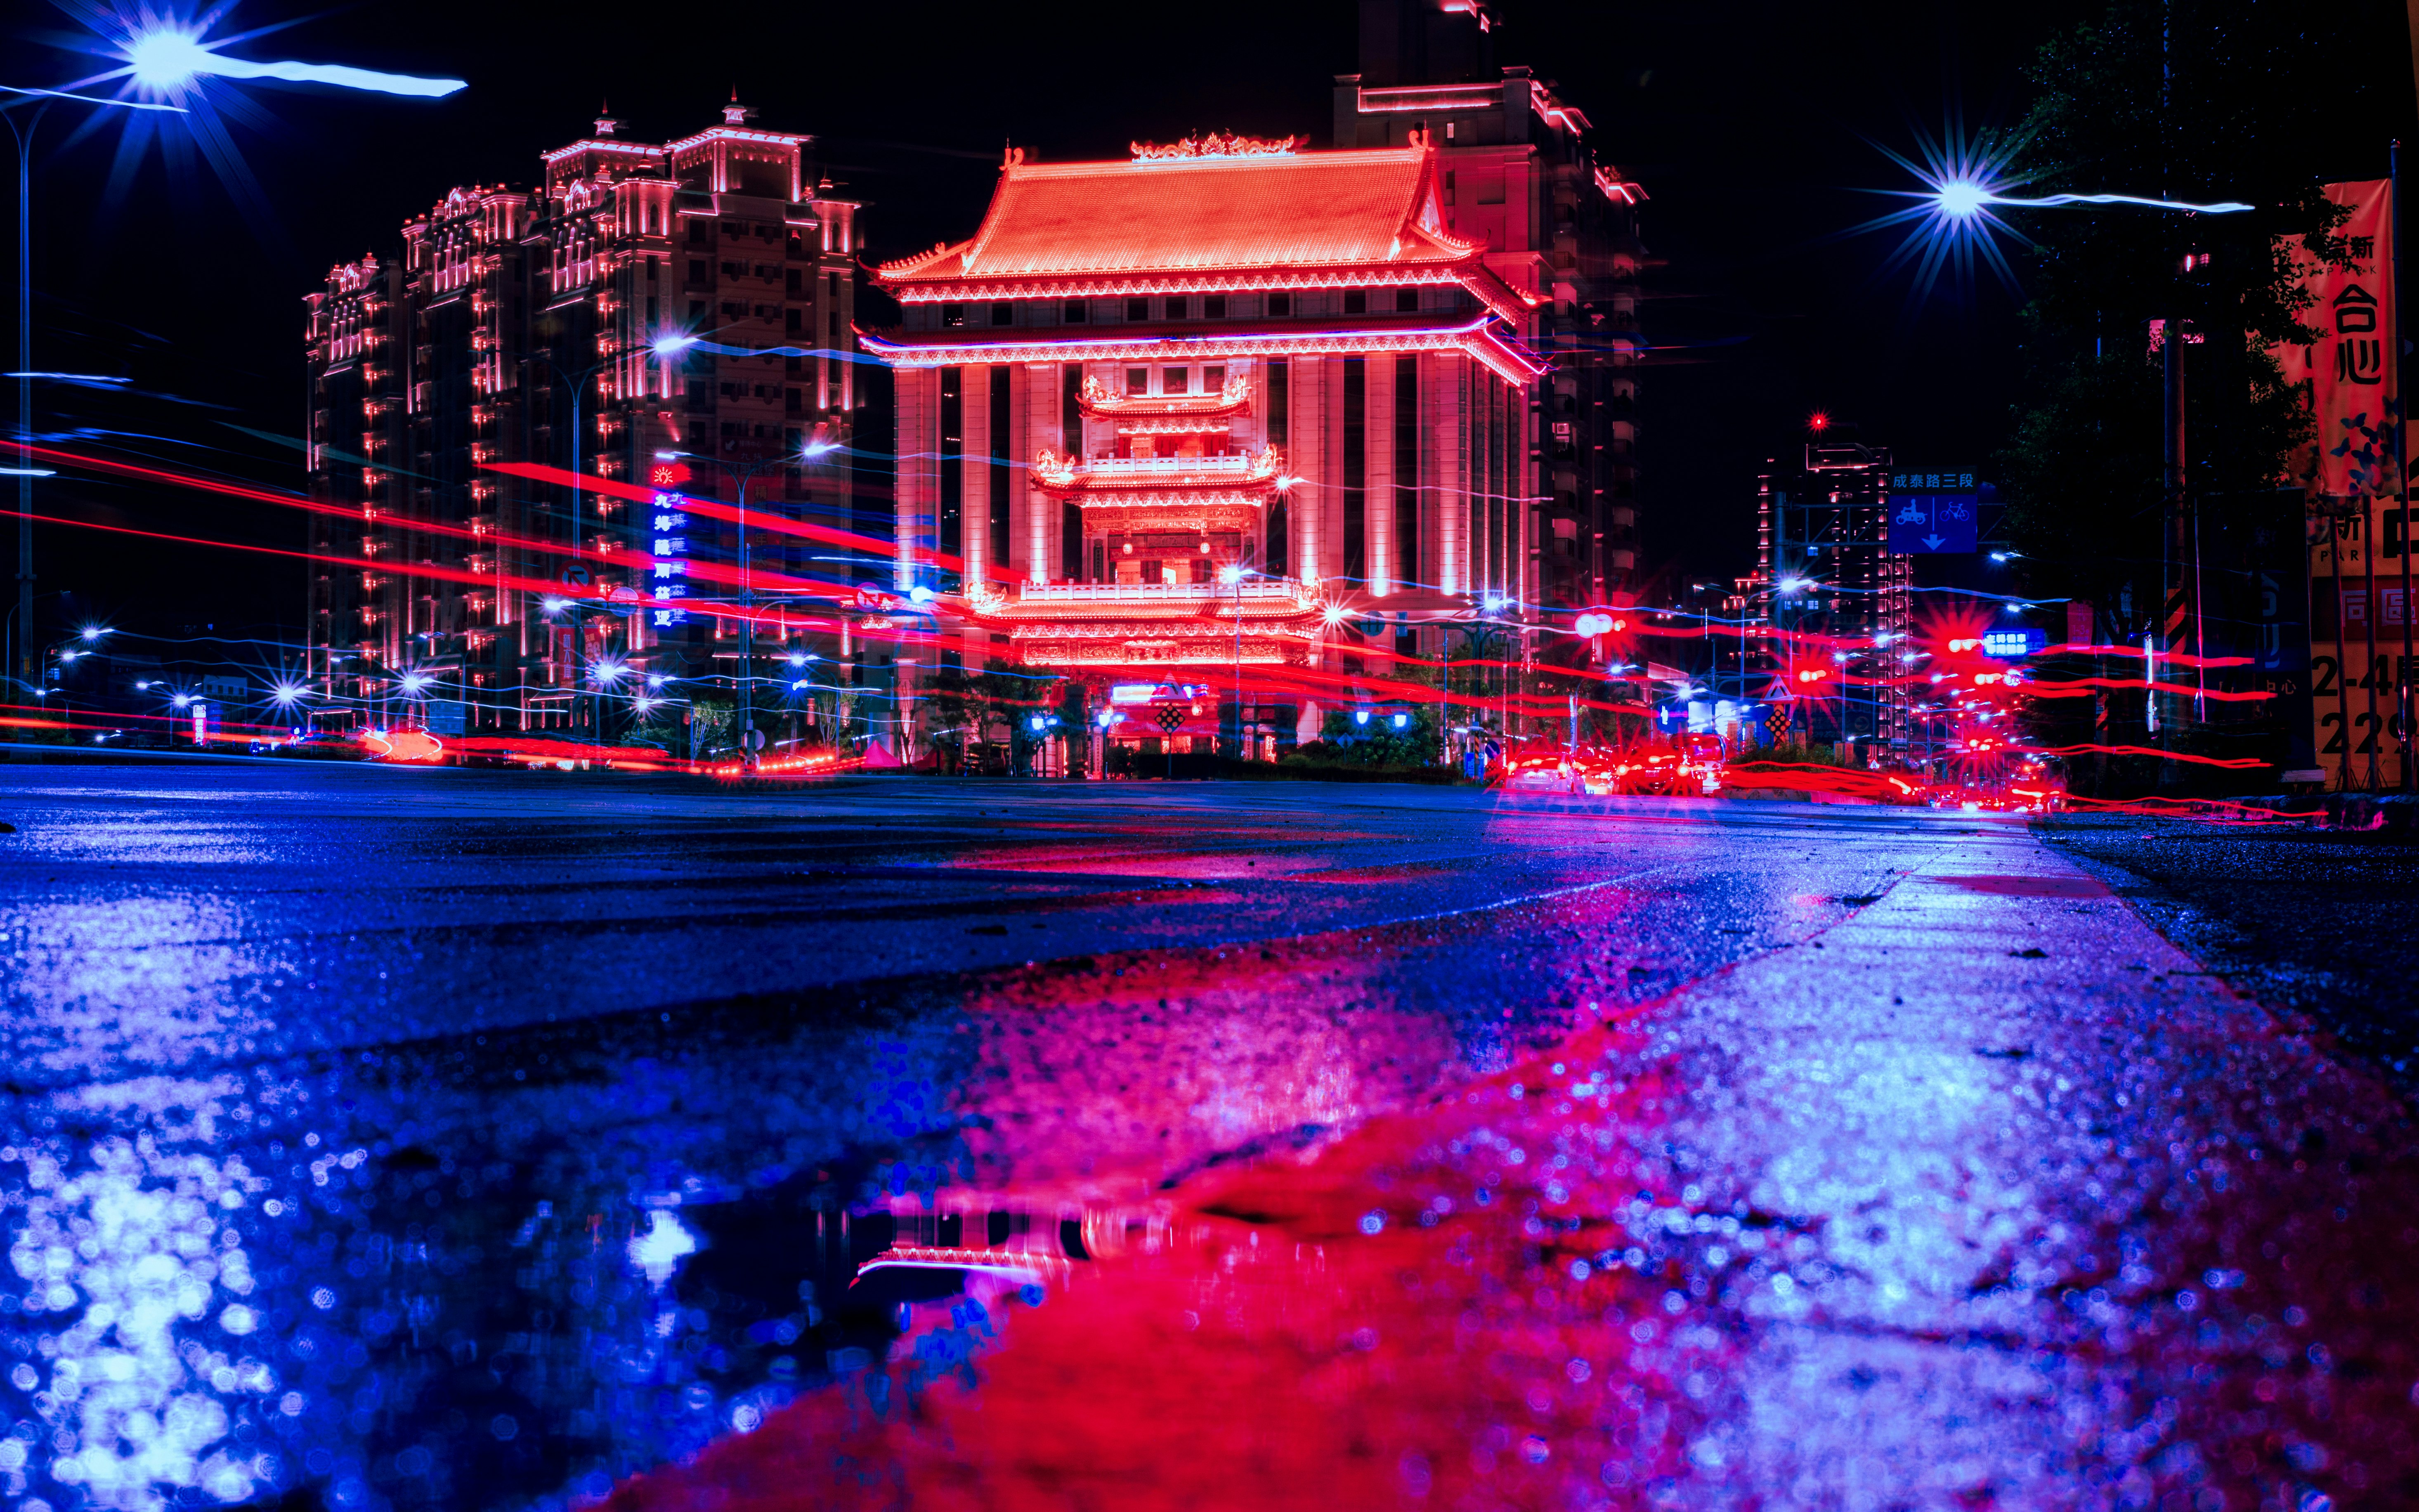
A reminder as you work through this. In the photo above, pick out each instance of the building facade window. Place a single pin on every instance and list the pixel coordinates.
(1002, 471)
(1213, 307)
(1137, 309)
(949, 528)
(1137, 380)
(1003, 314)
(1406, 472)
(1356, 468)
(953, 315)
(1356, 301)
(1276, 558)
(1073, 313)
(1280, 304)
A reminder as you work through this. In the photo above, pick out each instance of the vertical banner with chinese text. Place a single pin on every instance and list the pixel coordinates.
(2351, 381)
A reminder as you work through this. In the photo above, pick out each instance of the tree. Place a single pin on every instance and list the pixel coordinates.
(2190, 101)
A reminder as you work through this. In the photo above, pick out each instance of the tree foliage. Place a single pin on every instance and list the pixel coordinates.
(2243, 102)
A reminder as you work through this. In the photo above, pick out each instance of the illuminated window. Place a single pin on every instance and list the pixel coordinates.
(1280, 304)
(1177, 304)
(1073, 313)
(1407, 300)
(1176, 380)
(1213, 380)
(1137, 309)
(953, 315)
(1137, 380)
(1003, 314)
(1356, 302)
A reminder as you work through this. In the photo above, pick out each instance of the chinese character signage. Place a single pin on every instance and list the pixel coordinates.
(2350, 377)
(669, 559)
(2009, 644)
(1926, 523)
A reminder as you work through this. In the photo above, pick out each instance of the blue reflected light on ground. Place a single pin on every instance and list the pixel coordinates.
(455, 1275)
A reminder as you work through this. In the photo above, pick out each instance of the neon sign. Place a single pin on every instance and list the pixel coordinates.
(669, 562)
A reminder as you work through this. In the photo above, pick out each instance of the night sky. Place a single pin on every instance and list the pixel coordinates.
(1753, 134)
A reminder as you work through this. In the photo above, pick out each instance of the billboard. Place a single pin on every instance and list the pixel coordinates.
(2351, 379)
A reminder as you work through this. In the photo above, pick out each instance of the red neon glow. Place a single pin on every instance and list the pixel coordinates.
(405, 745)
(1476, 339)
(1818, 421)
(1217, 145)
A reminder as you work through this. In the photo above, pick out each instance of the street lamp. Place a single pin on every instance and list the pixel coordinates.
(24, 472)
(1233, 573)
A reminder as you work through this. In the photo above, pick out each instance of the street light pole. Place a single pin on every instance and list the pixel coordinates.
(25, 387)
(25, 470)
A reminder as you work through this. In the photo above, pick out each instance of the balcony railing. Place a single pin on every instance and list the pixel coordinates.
(1250, 589)
(1066, 473)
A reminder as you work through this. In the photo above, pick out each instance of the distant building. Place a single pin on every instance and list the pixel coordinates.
(1519, 178)
(1825, 572)
(693, 296)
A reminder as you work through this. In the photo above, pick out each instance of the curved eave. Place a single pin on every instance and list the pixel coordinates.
(1467, 271)
(1477, 339)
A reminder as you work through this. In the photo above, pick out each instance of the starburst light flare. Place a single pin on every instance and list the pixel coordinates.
(1951, 223)
(165, 58)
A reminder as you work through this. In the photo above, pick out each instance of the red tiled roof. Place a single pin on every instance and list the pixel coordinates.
(1310, 210)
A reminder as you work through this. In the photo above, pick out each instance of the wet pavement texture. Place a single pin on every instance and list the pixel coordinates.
(2313, 920)
(400, 1139)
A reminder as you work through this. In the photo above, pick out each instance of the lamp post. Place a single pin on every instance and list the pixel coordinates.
(25, 472)
(577, 383)
(1234, 573)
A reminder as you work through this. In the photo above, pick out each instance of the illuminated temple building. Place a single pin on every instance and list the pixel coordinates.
(519, 328)
(1229, 404)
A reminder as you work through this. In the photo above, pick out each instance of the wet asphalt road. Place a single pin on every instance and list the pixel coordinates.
(390, 1139)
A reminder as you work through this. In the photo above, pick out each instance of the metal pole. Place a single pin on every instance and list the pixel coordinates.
(2171, 559)
(2402, 692)
(579, 629)
(24, 667)
(746, 631)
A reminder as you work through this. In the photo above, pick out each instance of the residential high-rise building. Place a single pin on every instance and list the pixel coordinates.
(1833, 593)
(1518, 176)
(492, 413)
(1225, 414)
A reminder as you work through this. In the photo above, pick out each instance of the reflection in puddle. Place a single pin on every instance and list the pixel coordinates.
(516, 1269)
(147, 1384)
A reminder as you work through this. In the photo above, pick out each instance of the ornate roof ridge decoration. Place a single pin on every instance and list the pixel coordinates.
(913, 261)
(1099, 402)
(1217, 145)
